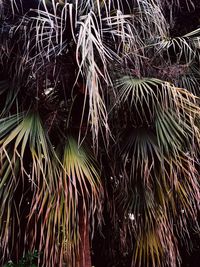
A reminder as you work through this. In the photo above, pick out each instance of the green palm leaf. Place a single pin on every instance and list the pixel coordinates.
(60, 187)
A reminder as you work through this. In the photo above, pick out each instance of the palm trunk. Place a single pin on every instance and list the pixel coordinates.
(84, 259)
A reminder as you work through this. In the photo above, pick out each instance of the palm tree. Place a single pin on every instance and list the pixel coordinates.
(97, 81)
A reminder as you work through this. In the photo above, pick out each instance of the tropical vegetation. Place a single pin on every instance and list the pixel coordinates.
(99, 125)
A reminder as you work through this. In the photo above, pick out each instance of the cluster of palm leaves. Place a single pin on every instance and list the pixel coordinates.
(87, 81)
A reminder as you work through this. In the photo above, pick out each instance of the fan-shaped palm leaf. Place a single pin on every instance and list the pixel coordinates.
(158, 171)
(59, 187)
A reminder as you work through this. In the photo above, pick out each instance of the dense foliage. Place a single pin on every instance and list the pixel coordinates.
(99, 118)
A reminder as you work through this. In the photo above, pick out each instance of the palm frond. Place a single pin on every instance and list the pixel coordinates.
(78, 192)
(182, 48)
(148, 96)
(159, 168)
(21, 135)
(161, 190)
(60, 187)
(90, 50)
